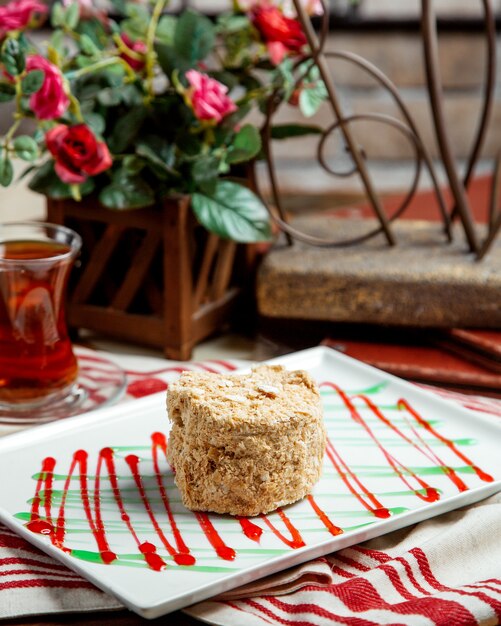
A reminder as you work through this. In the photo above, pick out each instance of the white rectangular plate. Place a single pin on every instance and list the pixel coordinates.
(100, 488)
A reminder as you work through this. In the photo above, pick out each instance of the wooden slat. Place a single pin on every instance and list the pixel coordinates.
(154, 296)
(88, 209)
(213, 314)
(139, 266)
(178, 279)
(89, 233)
(96, 264)
(118, 324)
(224, 266)
(203, 276)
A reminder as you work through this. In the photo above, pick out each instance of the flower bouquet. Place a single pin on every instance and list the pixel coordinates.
(133, 104)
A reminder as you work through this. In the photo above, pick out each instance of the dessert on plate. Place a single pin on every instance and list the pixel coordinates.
(245, 444)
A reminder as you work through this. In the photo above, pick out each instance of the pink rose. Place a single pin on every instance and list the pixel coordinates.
(135, 46)
(17, 14)
(208, 98)
(50, 101)
(77, 153)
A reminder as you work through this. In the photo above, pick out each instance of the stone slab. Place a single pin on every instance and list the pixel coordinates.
(421, 282)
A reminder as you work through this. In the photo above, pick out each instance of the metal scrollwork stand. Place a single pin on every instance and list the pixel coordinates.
(461, 210)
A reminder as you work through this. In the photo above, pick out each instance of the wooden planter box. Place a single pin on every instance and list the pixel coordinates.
(152, 276)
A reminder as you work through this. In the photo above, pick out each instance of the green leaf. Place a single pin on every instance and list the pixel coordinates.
(114, 76)
(310, 99)
(246, 145)
(284, 77)
(231, 23)
(6, 170)
(57, 41)
(25, 148)
(82, 60)
(137, 11)
(88, 91)
(159, 154)
(133, 164)
(87, 46)
(233, 212)
(42, 177)
(27, 170)
(238, 36)
(285, 131)
(119, 6)
(96, 123)
(135, 29)
(205, 172)
(169, 60)
(126, 129)
(166, 30)
(131, 95)
(72, 16)
(13, 57)
(129, 192)
(32, 82)
(194, 37)
(232, 120)
(57, 15)
(192, 145)
(95, 31)
(138, 21)
(109, 97)
(7, 92)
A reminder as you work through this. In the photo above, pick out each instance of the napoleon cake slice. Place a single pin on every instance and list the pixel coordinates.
(245, 444)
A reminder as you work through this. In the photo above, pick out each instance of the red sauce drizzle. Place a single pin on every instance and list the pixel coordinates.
(424, 448)
(133, 462)
(151, 557)
(40, 526)
(182, 556)
(250, 530)
(96, 525)
(296, 541)
(148, 549)
(430, 494)
(403, 404)
(332, 528)
(44, 481)
(57, 532)
(222, 550)
(106, 455)
(348, 476)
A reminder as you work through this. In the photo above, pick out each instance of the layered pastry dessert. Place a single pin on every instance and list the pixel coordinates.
(245, 444)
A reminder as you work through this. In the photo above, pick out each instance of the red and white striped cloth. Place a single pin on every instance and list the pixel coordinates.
(445, 571)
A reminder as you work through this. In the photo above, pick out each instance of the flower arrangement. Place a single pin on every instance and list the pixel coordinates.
(136, 104)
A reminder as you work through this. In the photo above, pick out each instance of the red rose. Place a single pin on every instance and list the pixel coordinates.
(17, 14)
(135, 46)
(280, 33)
(77, 153)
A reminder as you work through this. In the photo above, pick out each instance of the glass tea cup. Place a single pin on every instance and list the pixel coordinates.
(37, 363)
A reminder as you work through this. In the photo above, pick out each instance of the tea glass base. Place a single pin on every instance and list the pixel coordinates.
(100, 382)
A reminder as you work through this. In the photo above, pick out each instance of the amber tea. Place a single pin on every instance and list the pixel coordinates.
(37, 362)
